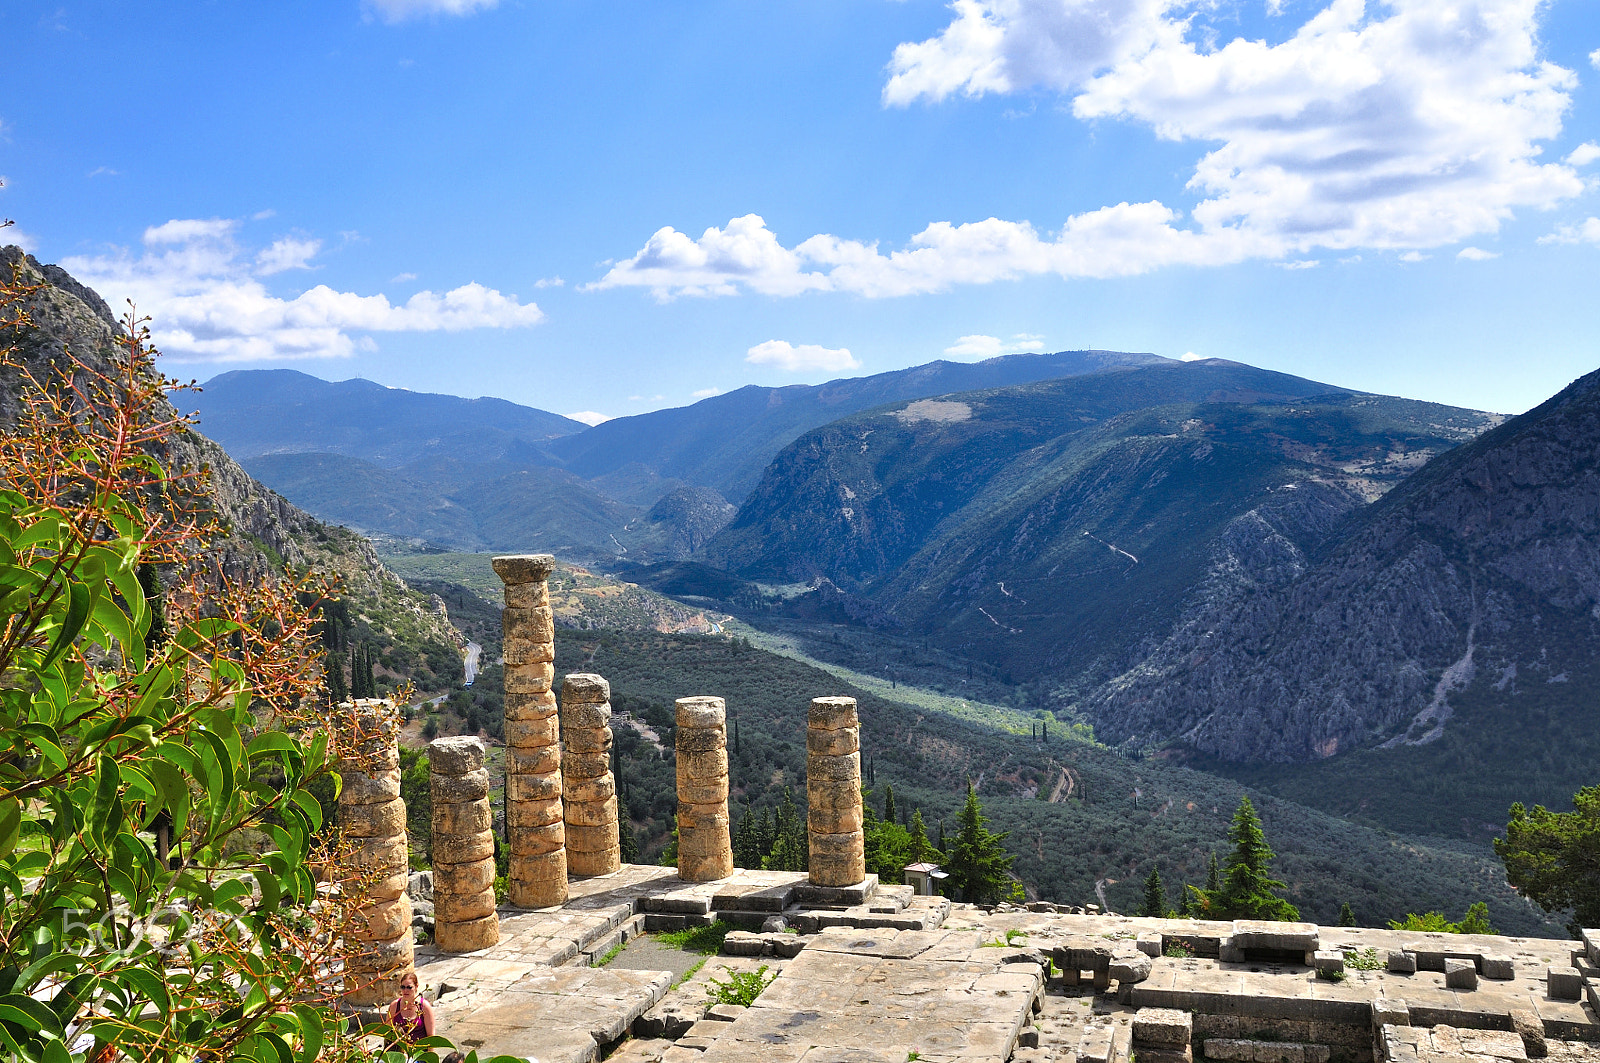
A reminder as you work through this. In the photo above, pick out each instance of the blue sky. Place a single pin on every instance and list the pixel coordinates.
(612, 208)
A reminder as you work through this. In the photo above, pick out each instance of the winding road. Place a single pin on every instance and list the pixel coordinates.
(474, 651)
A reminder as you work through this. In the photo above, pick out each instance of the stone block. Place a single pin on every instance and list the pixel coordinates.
(841, 870)
(1229, 1050)
(700, 740)
(448, 908)
(832, 714)
(459, 789)
(533, 760)
(1565, 983)
(522, 624)
(697, 713)
(453, 849)
(584, 791)
(591, 838)
(456, 756)
(1128, 968)
(524, 568)
(1165, 1055)
(362, 789)
(1161, 1026)
(582, 864)
(585, 765)
(386, 819)
(1390, 1011)
(592, 814)
(724, 1012)
(847, 820)
(381, 853)
(528, 677)
(463, 880)
(1149, 944)
(470, 818)
(534, 595)
(743, 943)
(530, 706)
(834, 769)
(468, 936)
(701, 766)
(704, 794)
(1526, 1025)
(1402, 962)
(585, 688)
(820, 797)
(698, 818)
(1590, 936)
(840, 845)
(1282, 937)
(1499, 968)
(385, 920)
(586, 739)
(1097, 1043)
(1460, 974)
(842, 742)
(1278, 1052)
(388, 887)
(521, 651)
(382, 955)
(537, 841)
(704, 868)
(538, 881)
(1328, 961)
(532, 734)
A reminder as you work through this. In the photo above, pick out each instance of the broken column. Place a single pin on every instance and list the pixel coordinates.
(833, 793)
(588, 789)
(534, 822)
(463, 847)
(705, 845)
(372, 815)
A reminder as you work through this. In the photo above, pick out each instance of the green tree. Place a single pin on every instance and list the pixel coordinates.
(922, 850)
(1155, 897)
(1553, 858)
(1476, 921)
(1247, 888)
(888, 803)
(1347, 915)
(791, 848)
(977, 863)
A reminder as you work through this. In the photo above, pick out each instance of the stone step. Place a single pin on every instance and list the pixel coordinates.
(808, 893)
(654, 922)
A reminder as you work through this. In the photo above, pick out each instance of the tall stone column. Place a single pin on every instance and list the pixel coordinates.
(534, 822)
(463, 846)
(705, 846)
(588, 788)
(833, 793)
(373, 816)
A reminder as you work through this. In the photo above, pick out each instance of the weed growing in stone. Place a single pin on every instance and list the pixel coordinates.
(706, 940)
(741, 987)
(1177, 950)
(1363, 960)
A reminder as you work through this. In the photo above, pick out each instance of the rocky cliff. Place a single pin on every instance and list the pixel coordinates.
(265, 533)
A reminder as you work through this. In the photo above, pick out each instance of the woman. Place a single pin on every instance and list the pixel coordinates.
(410, 1015)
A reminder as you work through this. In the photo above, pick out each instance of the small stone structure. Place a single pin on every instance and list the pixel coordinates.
(372, 814)
(588, 787)
(463, 847)
(535, 821)
(833, 792)
(705, 845)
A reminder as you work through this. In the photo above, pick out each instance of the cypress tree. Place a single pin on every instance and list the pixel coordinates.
(978, 863)
(922, 850)
(1347, 915)
(629, 842)
(1213, 875)
(888, 803)
(333, 674)
(1155, 896)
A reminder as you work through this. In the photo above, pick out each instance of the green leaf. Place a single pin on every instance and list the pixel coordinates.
(30, 1014)
(310, 1032)
(79, 600)
(10, 825)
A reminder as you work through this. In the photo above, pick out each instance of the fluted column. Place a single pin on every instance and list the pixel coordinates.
(705, 846)
(534, 821)
(833, 793)
(463, 846)
(588, 789)
(372, 815)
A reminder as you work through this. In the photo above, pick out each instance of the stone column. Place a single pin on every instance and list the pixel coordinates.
(463, 847)
(534, 824)
(833, 793)
(372, 815)
(587, 786)
(705, 846)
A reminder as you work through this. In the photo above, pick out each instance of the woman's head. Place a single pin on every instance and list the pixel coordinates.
(408, 983)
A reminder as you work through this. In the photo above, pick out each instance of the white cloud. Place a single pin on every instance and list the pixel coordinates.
(285, 254)
(402, 10)
(1190, 356)
(549, 282)
(703, 393)
(1594, 58)
(1400, 126)
(1583, 154)
(402, 278)
(208, 304)
(589, 417)
(1586, 232)
(104, 171)
(807, 357)
(1414, 256)
(993, 346)
(1299, 263)
(1476, 254)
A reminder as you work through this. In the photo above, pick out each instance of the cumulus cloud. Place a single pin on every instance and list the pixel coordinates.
(403, 10)
(805, 357)
(1583, 154)
(1594, 58)
(1190, 356)
(1586, 232)
(1399, 126)
(1476, 254)
(204, 293)
(994, 346)
(703, 393)
(589, 417)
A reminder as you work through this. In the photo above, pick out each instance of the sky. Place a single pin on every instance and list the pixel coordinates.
(603, 209)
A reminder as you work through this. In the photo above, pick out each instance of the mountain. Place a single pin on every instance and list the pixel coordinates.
(266, 535)
(724, 442)
(281, 411)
